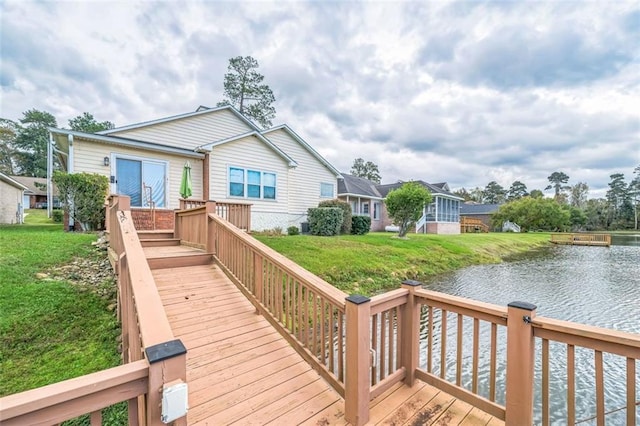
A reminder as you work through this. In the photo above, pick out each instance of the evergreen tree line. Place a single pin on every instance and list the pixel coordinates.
(569, 209)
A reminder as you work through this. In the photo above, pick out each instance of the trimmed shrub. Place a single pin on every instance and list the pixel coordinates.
(360, 225)
(346, 213)
(325, 221)
(82, 196)
(57, 215)
(293, 230)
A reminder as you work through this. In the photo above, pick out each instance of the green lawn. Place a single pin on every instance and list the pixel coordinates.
(377, 262)
(50, 329)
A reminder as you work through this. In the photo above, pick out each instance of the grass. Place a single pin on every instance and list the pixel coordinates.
(378, 262)
(50, 330)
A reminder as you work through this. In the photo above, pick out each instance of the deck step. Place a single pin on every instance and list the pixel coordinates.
(180, 261)
(154, 235)
(160, 242)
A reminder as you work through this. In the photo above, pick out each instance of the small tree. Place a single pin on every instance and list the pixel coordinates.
(83, 196)
(405, 205)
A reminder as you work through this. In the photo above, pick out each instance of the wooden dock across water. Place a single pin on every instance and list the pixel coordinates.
(581, 239)
(240, 370)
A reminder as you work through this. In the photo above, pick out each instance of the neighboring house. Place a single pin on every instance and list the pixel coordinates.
(231, 160)
(364, 198)
(479, 211)
(442, 216)
(11, 199)
(35, 196)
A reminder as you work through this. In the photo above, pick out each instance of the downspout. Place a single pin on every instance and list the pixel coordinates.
(205, 177)
(70, 170)
(49, 176)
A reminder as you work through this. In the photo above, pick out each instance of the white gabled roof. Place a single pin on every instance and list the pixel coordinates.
(281, 153)
(200, 111)
(132, 143)
(12, 182)
(305, 145)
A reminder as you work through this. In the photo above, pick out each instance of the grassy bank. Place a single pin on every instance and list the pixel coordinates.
(377, 262)
(50, 328)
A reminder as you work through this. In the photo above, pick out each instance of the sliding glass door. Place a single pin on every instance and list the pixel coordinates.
(142, 180)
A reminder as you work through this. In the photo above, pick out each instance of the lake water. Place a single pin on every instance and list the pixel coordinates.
(591, 285)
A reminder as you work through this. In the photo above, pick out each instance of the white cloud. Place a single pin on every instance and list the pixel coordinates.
(465, 92)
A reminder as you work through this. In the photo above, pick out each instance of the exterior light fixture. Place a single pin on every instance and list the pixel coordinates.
(106, 161)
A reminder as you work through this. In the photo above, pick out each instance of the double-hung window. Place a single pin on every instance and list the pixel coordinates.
(376, 210)
(249, 183)
(144, 180)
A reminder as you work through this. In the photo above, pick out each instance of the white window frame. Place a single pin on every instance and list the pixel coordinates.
(377, 206)
(324, 185)
(245, 177)
(165, 163)
(362, 208)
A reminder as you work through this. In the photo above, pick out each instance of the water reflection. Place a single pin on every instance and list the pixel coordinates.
(590, 285)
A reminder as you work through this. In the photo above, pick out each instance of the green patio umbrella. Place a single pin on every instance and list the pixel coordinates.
(185, 184)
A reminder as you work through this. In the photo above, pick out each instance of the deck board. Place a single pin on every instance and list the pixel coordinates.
(240, 370)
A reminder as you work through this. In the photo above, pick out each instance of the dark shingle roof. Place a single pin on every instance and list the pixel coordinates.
(470, 209)
(350, 184)
(432, 188)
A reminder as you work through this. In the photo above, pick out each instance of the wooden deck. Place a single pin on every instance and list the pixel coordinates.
(241, 371)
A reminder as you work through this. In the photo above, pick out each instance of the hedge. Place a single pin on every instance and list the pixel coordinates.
(360, 225)
(346, 210)
(325, 221)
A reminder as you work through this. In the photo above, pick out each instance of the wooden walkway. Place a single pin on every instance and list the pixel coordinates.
(241, 371)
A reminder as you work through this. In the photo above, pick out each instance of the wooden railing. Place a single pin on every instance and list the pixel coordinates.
(469, 224)
(239, 214)
(153, 358)
(581, 239)
(66, 400)
(614, 344)
(307, 311)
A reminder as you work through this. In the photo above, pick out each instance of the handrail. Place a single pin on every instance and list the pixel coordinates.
(328, 291)
(74, 397)
(486, 311)
(306, 310)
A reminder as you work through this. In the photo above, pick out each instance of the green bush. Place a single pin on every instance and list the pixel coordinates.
(82, 196)
(325, 221)
(293, 230)
(346, 213)
(360, 225)
(57, 215)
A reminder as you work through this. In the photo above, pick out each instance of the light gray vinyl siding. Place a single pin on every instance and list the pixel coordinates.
(190, 132)
(10, 198)
(249, 153)
(304, 180)
(89, 158)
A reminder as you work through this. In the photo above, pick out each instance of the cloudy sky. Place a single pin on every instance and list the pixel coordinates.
(465, 92)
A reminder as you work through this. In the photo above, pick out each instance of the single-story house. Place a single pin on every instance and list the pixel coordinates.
(231, 160)
(35, 196)
(11, 199)
(441, 216)
(482, 212)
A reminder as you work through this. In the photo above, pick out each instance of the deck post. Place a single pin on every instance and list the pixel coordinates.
(210, 208)
(520, 363)
(410, 337)
(167, 363)
(357, 389)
